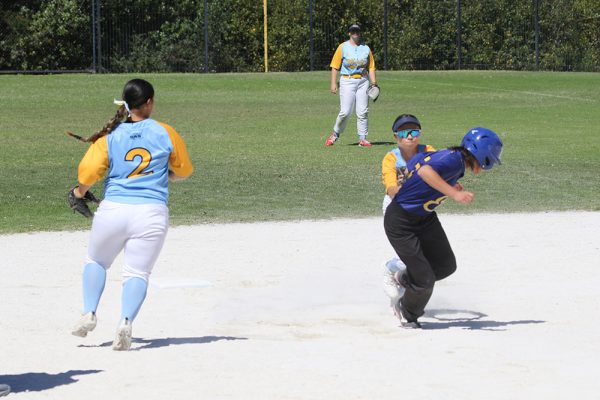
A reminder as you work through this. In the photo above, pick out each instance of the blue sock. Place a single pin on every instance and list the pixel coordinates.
(134, 293)
(362, 137)
(94, 278)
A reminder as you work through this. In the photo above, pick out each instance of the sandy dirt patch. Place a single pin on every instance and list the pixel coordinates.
(297, 311)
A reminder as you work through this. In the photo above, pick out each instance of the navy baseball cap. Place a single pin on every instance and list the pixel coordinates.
(354, 28)
(403, 120)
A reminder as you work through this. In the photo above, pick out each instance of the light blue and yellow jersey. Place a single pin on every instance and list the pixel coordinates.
(393, 162)
(136, 158)
(351, 60)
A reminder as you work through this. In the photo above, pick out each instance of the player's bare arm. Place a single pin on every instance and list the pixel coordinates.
(81, 190)
(434, 180)
(372, 77)
(334, 87)
(392, 191)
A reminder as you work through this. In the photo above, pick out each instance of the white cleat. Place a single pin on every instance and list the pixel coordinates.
(86, 324)
(123, 339)
(392, 271)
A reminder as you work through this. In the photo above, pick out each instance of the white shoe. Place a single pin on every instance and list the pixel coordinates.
(123, 339)
(86, 324)
(404, 323)
(392, 271)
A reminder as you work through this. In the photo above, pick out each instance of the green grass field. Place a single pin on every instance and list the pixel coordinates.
(257, 142)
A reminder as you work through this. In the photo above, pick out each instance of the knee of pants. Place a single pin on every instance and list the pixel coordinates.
(362, 115)
(446, 270)
(130, 272)
(422, 281)
(89, 260)
(344, 114)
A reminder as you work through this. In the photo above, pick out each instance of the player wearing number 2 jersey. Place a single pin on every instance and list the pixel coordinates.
(137, 157)
(134, 158)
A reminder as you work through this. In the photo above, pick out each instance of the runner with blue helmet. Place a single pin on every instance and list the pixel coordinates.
(412, 226)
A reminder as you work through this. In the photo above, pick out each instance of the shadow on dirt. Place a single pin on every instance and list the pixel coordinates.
(39, 381)
(166, 342)
(467, 319)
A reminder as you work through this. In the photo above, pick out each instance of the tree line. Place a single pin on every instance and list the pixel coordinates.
(169, 36)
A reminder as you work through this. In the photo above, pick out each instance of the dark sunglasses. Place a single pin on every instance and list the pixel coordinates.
(412, 132)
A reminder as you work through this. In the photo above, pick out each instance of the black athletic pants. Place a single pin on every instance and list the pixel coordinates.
(421, 244)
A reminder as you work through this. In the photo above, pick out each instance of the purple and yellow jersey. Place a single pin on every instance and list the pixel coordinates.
(416, 196)
(136, 158)
(353, 60)
(393, 163)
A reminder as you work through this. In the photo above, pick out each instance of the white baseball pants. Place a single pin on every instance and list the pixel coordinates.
(353, 94)
(137, 229)
(386, 202)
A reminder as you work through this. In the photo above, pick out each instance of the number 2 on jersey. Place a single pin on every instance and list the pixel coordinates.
(145, 158)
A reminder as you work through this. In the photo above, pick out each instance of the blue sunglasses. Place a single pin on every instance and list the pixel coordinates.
(412, 132)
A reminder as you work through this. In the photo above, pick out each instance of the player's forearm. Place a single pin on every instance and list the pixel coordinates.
(390, 181)
(392, 191)
(434, 180)
(372, 76)
(334, 73)
(80, 190)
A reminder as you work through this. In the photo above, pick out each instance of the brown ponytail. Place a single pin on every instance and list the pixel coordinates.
(470, 160)
(106, 129)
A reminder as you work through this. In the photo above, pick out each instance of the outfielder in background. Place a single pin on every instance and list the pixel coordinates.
(407, 132)
(355, 62)
(139, 157)
(412, 226)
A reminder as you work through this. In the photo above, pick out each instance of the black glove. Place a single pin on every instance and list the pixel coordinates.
(80, 205)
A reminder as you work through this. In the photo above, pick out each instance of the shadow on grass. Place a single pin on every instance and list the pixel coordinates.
(374, 144)
(39, 381)
(166, 342)
(466, 319)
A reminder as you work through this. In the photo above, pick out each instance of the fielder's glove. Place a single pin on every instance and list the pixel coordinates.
(373, 92)
(80, 205)
(401, 174)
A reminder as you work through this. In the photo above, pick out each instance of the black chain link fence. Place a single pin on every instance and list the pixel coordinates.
(227, 35)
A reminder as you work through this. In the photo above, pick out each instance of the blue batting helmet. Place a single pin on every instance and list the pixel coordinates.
(485, 146)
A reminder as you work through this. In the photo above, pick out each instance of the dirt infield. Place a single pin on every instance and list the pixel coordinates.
(296, 311)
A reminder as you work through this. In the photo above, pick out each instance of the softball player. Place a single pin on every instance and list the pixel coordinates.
(357, 66)
(138, 158)
(412, 226)
(407, 132)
